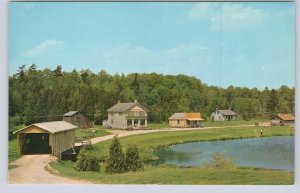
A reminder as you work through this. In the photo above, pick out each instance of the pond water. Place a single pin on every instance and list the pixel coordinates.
(266, 152)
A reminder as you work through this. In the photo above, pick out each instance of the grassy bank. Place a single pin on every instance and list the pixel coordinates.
(164, 174)
(174, 175)
(148, 142)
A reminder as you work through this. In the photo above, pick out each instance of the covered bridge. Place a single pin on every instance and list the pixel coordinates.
(49, 137)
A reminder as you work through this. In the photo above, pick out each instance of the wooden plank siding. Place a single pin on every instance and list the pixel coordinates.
(177, 123)
(62, 142)
(59, 141)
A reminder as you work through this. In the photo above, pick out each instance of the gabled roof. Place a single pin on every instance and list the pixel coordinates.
(227, 112)
(285, 117)
(70, 113)
(196, 116)
(177, 116)
(122, 107)
(52, 127)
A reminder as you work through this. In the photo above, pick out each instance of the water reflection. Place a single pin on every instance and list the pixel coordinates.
(268, 152)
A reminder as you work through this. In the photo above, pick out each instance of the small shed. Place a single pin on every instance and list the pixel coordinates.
(78, 119)
(283, 119)
(53, 137)
(185, 120)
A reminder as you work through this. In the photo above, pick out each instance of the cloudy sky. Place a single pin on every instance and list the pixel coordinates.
(240, 44)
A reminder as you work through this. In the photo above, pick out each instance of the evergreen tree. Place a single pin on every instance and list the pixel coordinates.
(272, 102)
(116, 159)
(132, 159)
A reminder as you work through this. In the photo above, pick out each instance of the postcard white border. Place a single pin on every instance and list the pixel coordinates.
(5, 187)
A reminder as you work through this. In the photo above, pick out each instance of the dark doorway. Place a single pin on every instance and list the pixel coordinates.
(36, 143)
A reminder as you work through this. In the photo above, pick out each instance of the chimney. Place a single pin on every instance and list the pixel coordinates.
(135, 101)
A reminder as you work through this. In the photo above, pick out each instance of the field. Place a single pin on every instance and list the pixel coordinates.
(174, 175)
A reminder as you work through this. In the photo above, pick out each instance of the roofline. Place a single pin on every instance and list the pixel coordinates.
(219, 110)
(70, 115)
(134, 103)
(284, 119)
(42, 129)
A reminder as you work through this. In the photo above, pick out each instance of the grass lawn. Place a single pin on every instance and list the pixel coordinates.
(99, 132)
(229, 123)
(163, 125)
(13, 152)
(174, 175)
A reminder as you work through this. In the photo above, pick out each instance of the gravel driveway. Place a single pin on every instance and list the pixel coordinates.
(30, 169)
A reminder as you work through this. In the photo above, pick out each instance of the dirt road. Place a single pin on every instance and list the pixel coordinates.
(31, 168)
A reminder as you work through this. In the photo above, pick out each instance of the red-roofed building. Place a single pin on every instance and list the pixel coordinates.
(286, 119)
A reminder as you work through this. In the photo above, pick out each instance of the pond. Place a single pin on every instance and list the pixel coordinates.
(265, 152)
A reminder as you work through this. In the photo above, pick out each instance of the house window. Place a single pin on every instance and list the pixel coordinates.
(143, 122)
(112, 121)
(178, 122)
(142, 113)
(217, 112)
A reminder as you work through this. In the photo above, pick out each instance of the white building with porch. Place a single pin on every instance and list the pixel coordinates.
(127, 116)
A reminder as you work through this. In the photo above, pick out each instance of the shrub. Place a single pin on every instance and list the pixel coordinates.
(220, 161)
(132, 159)
(116, 159)
(87, 162)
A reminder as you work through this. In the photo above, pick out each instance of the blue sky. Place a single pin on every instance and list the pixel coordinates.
(241, 44)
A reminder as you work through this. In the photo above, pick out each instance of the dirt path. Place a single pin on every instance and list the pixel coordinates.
(31, 168)
(124, 133)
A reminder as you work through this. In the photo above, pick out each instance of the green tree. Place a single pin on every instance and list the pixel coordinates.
(272, 101)
(132, 159)
(116, 159)
(58, 71)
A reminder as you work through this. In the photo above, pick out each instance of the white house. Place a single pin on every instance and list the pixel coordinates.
(223, 115)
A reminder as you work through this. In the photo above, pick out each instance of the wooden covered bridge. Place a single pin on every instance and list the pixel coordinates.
(49, 137)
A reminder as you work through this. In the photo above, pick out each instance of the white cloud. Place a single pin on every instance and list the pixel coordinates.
(45, 46)
(227, 16)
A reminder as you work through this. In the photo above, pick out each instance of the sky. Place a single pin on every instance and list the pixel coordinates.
(246, 44)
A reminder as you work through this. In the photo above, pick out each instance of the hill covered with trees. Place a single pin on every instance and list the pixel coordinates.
(45, 95)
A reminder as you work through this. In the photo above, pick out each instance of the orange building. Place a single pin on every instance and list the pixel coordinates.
(184, 120)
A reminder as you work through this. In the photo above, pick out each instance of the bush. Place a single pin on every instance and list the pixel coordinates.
(116, 159)
(132, 159)
(220, 161)
(86, 162)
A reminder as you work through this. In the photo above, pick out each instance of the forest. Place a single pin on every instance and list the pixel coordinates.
(45, 95)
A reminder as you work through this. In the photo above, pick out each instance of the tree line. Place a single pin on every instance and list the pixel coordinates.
(45, 95)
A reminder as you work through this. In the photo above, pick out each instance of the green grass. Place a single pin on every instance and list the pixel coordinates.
(13, 152)
(163, 125)
(148, 142)
(99, 132)
(229, 123)
(173, 175)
